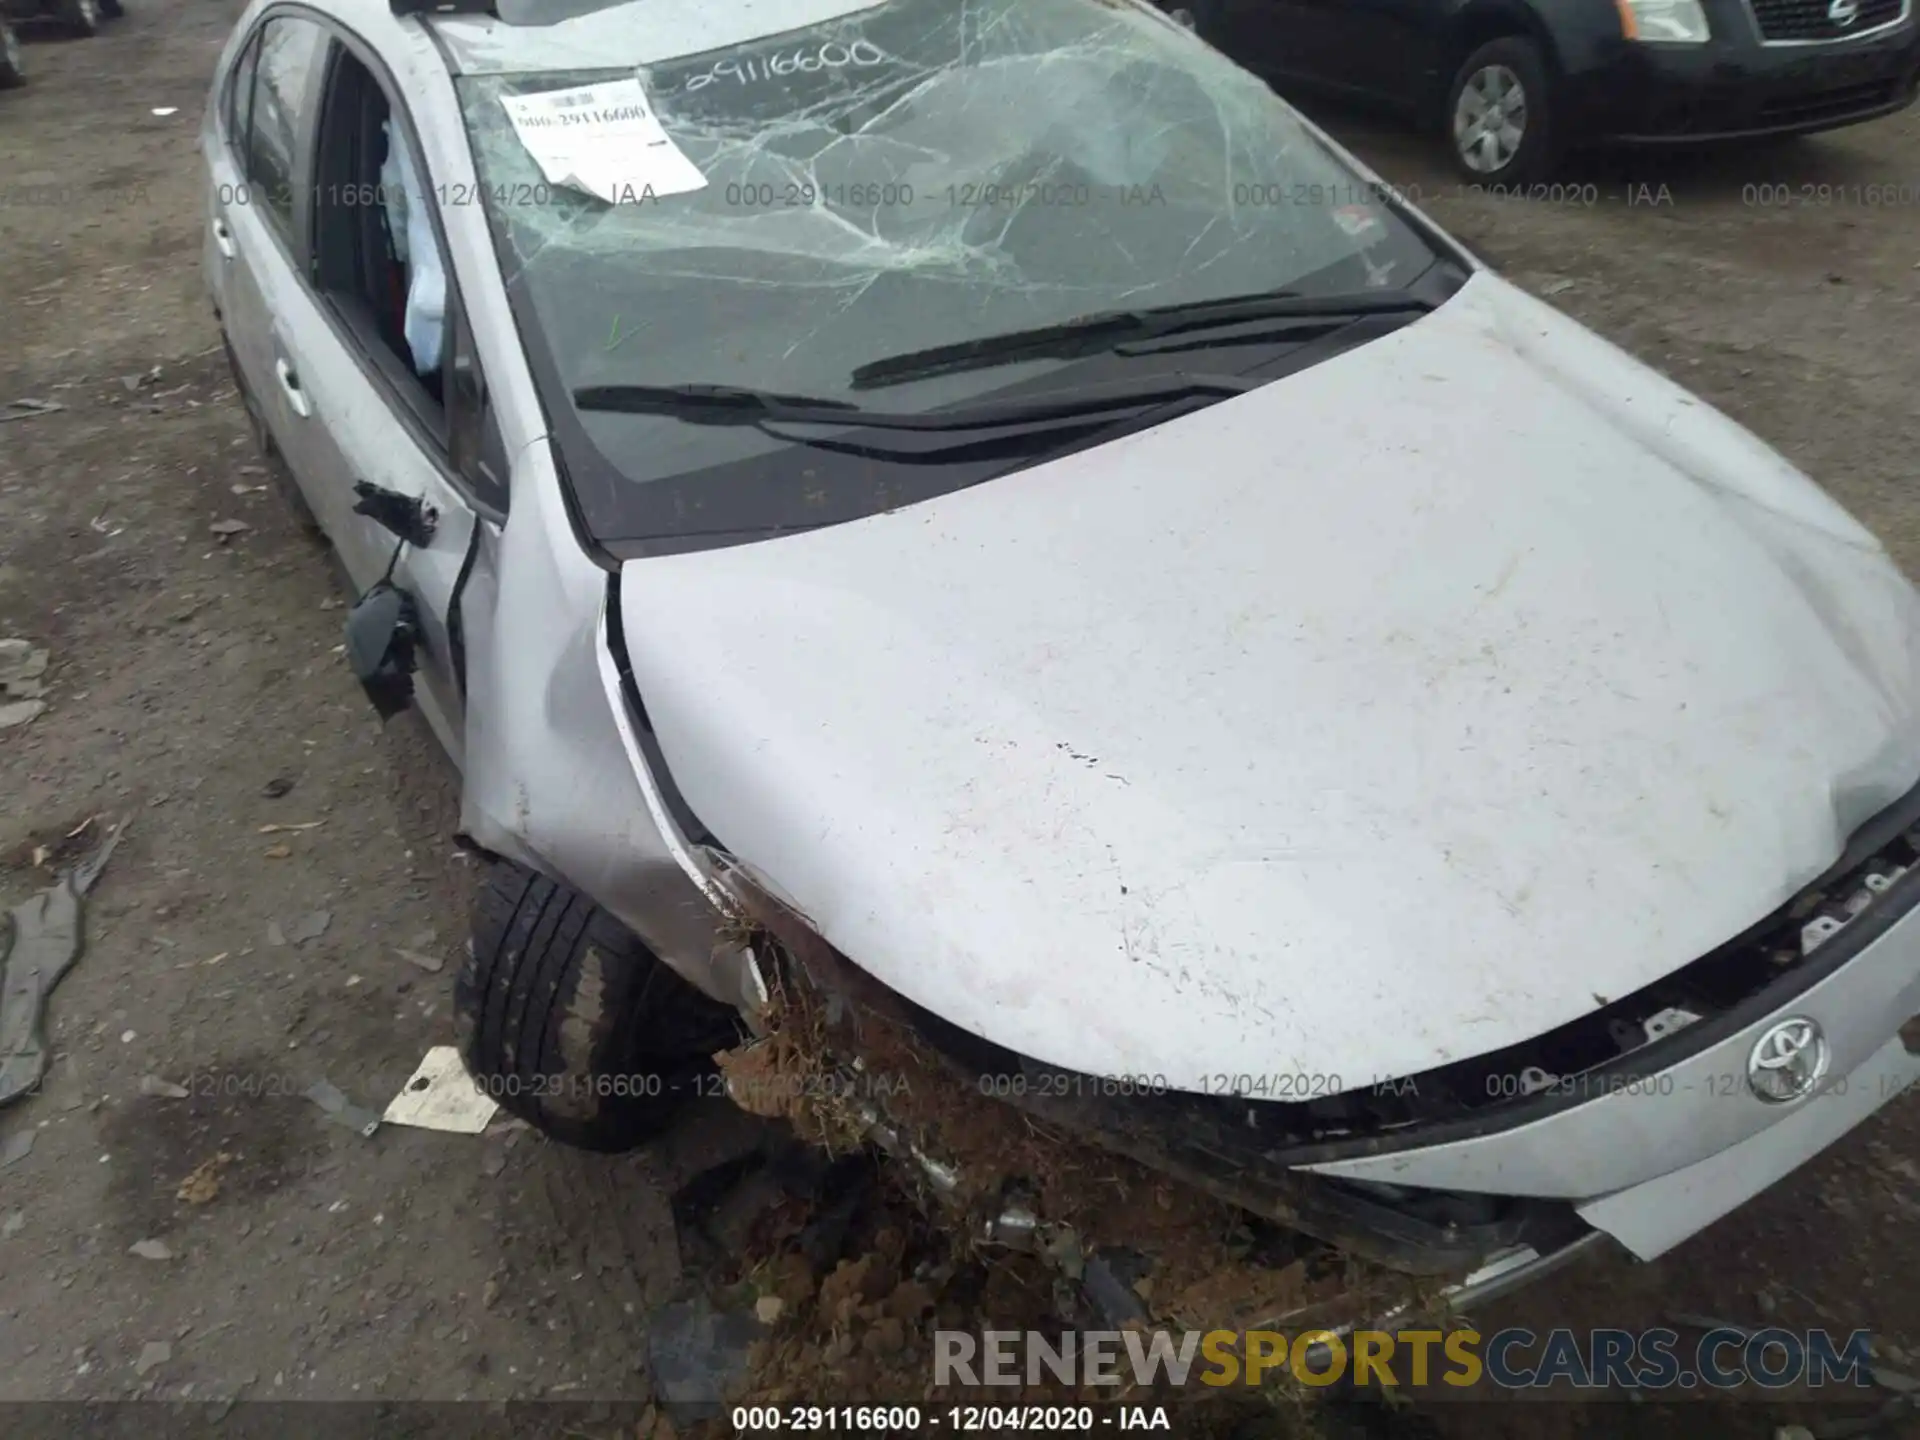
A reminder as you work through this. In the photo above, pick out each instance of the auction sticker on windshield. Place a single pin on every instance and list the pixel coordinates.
(603, 139)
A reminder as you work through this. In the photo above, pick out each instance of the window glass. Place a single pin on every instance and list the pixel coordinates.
(376, 256)
(474, 445)
(240, 94)
(282, 99)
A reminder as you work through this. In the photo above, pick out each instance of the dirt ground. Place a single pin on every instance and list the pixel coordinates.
(196, 686)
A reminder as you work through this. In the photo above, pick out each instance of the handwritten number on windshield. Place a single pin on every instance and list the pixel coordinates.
(861, 55)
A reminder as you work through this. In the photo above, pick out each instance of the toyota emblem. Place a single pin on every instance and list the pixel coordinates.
(1843, 12)
(1788, 1061)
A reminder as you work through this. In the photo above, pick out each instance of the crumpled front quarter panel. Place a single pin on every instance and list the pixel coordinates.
(548, 782)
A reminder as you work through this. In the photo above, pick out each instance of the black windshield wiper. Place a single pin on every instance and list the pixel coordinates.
(1106, 329)
(725, 405)
(704, 404)
(932, 434)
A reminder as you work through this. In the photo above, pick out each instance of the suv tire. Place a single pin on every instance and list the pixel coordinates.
(1499, 118)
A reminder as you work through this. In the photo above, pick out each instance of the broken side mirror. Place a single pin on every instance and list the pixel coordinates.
(407, 516)
(383, 627)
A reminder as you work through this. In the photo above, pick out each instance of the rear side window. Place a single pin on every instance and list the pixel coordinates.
(284, 91)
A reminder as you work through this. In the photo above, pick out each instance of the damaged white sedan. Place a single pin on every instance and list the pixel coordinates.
(981, 504)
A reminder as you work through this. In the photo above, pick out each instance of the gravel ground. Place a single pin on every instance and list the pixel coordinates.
(196, 687)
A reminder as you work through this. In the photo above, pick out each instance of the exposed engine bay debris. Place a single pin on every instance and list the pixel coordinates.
(981, 1209)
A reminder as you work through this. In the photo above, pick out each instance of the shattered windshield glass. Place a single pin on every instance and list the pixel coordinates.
(911, 174)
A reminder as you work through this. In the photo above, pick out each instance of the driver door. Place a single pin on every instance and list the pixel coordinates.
(392, 403)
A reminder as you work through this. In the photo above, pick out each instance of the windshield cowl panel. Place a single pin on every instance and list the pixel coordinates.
(909, 175)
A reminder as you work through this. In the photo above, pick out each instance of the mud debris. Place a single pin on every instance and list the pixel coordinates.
(1034, 1229)
(843, 1074)
(202, 1185)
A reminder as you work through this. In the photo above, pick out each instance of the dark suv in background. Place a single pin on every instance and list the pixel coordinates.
(1514, 84)
(77, 17)
(13, 66)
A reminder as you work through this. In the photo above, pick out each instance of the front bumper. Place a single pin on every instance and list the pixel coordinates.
(1652, 1217)
(1668, 1152)
(1649, 1142)
(1736, 86)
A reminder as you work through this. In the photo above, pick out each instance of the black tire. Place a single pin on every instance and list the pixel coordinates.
(572, 1023)
(80, 17)
(13, 65)
(1511, 60)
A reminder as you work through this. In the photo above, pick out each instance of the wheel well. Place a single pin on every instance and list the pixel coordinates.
(1477, 24)
(1495, 20)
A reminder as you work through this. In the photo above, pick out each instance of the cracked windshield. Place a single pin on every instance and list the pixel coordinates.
(911, 175)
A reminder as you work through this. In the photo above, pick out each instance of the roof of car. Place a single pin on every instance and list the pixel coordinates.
(536, 35)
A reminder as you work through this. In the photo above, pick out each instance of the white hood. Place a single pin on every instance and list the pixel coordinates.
(1384, 716)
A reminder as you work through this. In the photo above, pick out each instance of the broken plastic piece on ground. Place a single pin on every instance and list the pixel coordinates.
(40, 939)
(26, 409)
(302, 928)
(21, 667)
(19, 712)
(431, 963)
(342, 1111)
(442, 1095)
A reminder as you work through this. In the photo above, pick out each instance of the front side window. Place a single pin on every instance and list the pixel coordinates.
(913, 174)
(474, 444)
(240, 95)
(379, 266)
(376, 254)
(283, 94)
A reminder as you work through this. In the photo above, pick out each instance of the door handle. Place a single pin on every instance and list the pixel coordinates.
(223, 237)
(290, 383)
